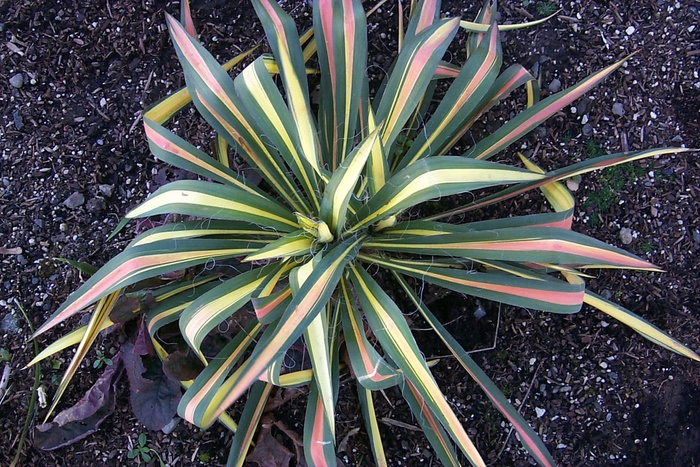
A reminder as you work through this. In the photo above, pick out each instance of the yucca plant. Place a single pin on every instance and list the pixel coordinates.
(344, 186)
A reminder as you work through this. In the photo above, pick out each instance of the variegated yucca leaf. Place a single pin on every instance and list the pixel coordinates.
(283, 241)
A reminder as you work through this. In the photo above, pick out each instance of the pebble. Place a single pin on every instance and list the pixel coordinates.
(540, 412)
(618, 109)
(96, 205)
(106, 190)
(74, 201)
(167, 429)
(17, 119)
(677, 139)
(587, 130)
(555, 85)
(10, 324)
(630, 30)
(17, 80)
(626, 236)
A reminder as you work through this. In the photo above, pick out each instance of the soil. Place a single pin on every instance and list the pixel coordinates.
(74, 159)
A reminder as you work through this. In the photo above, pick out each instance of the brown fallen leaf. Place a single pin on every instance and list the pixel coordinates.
(269, 452)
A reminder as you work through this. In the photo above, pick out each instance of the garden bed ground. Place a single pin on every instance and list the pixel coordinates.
(75, 76)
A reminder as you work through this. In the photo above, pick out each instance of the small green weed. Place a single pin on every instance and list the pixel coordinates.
(647, 247)
(611, 181)
(143, 452)
(101, 360)
(546, 8)
(4, 355)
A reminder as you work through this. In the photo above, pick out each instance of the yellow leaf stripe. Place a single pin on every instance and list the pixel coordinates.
(409, 360)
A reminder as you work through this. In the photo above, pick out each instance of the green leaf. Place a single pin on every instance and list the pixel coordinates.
(214, 95)
(540, 291)
(413, 70)
(639, 325)
(370, 416)
(528, 437)
(204, 199)
(460, 103)
(434, 178)
(312, 297)
(341, 36)
(391, 330)
(521, 244)
(249, 422)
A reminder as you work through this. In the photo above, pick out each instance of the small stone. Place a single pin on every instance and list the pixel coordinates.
(106, 190)
(74, 201)
(587, 129)
(17, 119)
(479, 312)
(17, 80)
(572, 184)
(167, 429)
(10, 324)
(584, 119)
(626, 236)
(96, 205)
(677, 139)
(540, 412)
(555, 85)
(630, 30)
(618, 109)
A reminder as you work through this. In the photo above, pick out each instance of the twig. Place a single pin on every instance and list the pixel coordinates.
(32, 401)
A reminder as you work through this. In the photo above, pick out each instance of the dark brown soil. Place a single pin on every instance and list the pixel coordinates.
(596, 392)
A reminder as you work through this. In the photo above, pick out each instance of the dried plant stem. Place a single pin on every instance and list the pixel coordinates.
(32, 400)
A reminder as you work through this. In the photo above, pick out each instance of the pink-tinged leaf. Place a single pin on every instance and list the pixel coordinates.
(268, 309)
(319, 442)
(371, 370)
(341, 36)
(213, 92)
(412, 72)
(312, 297)
(530, 118)
(142, 262)
(186, 18)
(522, 244)
(528, 437)
(579, 168)
(461, 102)
(541, 292)
(170, 148)
(431, 426)
(424, 15)
(393, 333)
(284, 41)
